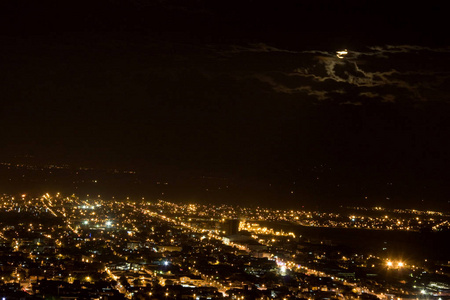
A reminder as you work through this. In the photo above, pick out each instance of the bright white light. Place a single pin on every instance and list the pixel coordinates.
(166, 263)
(423, 291)
(86, 222)
(341, 53)
(108, 223)
(400, 264)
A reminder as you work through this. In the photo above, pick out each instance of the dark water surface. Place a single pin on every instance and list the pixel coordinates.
(414, 246)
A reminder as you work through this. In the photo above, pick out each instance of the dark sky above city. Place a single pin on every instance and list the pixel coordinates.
(241, 89)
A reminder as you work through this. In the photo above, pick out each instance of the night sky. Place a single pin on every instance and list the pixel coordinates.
(247, 90)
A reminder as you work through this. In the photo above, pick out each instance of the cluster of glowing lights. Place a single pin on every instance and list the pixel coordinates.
(398, 264)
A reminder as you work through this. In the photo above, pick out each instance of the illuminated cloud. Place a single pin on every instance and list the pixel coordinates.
(258, 47)
(278, 87)
(369, 94)
(385, 74)
(354, 72)
(405, 49)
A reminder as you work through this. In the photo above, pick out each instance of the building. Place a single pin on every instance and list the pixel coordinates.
(231, 227)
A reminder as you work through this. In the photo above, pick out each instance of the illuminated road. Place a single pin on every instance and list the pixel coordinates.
(282, 264)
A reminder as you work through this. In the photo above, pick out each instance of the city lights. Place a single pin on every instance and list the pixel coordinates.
(191, 245)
